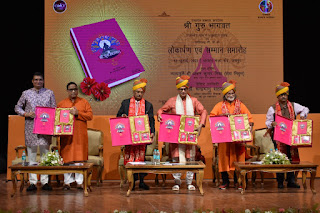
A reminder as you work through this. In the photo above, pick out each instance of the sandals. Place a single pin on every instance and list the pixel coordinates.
(176, 188)
(191, 187)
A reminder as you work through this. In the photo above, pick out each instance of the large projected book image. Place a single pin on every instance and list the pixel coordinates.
(104, 52)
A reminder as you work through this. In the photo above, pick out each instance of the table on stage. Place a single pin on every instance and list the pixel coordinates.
(166, 168)
(243, 168)
(82, 168)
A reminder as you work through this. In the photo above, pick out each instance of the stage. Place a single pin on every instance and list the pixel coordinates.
(110, 197)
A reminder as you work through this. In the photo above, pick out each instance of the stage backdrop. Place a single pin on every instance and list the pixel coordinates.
(212, 41)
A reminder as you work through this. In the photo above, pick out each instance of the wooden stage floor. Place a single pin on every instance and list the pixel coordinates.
(110, 197)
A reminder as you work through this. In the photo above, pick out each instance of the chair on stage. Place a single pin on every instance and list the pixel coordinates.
(148, 157)
(265, 144)
(253, 153)
(19, 149)
(95, 151)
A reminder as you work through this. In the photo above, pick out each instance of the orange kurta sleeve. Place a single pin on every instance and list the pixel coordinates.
(85, 112)
(216, 110)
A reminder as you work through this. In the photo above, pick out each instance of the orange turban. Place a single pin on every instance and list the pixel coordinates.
(227, 86)
(182, 81)
(282, 88)
(140, 84)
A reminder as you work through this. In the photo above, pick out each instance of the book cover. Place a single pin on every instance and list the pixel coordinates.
(220, 129)
(64, 122)
(120, 131)
(104, 52)
(139, 124)
(44, 120)
(140, 129)
(283, 130)
(169, 128)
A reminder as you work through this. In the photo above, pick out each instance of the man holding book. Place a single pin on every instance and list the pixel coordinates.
(136, 106)
(287, 109)
(183, 104)
(36, 96)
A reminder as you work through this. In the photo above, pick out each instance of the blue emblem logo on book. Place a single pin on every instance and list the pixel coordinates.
(44, 117)
(105, 45)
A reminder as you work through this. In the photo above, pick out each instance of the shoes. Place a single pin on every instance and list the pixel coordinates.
(47, 187)
(32, 187)
(176, 188)
(143, 186)
(280, 186)
(293, 185)
(66, 187)
(191, 187)
(224, 186)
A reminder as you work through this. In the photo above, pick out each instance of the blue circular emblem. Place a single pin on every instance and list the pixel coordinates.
(59, 6)
(266, 6)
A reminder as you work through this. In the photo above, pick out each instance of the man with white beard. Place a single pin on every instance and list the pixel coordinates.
(230, 152)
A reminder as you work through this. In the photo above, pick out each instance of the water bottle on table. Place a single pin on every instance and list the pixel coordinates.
(24, 158)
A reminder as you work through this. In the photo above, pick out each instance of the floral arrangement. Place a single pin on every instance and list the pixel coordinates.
(275, 157)
(100, 91)
(51, 159)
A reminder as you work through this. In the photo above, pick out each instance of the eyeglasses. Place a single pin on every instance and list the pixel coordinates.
(183, 89)
(74, 89)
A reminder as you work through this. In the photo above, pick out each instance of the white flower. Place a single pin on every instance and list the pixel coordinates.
(247, 211)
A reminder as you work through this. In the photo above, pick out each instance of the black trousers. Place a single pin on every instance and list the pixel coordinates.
(140, 176)
(290, 175)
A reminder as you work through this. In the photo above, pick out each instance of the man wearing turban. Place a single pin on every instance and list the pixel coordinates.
(183, 104)
(230, 152)
(136, 106)
(285, 108)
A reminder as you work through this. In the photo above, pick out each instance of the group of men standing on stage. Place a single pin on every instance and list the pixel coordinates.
(75, 148)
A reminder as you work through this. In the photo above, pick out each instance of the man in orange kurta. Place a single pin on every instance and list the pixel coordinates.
(75, 147)
(230, 152)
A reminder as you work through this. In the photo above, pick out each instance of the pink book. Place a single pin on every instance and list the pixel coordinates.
(183, 136)
(302, 127)
(105, 53)
(44, 120)
(169, 128)
(189, 125)
(283, 130)
(192, 137)
(220, 129)
(64, 116)
(139, 124)
(145, 136)
(239, 122)
(120, 131)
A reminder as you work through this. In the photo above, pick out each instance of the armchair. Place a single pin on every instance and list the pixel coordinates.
(95, 151)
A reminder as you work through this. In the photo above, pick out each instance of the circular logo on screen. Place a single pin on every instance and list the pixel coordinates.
(59, 6)
(266, 6)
